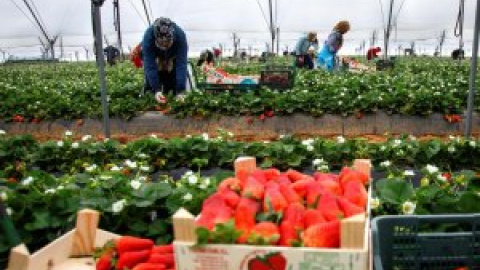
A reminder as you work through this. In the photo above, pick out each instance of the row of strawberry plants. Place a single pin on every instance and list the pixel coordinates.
(415, 87)
(19, 154)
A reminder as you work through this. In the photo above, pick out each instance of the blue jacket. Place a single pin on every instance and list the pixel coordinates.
(303, 45)
(178, 51)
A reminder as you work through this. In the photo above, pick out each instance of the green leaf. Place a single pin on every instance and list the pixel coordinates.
(395, 191)
(468, 203)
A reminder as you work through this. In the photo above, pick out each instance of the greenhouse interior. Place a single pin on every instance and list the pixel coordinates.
(239, 134)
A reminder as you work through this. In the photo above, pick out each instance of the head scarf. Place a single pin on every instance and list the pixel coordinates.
(163, 30)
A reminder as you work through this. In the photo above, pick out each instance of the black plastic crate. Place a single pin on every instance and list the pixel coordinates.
(277, 77)
(415, 243)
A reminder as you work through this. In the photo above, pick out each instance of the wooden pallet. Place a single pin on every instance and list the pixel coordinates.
(353, 251)
(71, 251)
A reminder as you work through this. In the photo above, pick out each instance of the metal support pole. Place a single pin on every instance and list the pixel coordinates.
(278, 40)
(116, 15)
(387, 32)
(101, 63)
(473, 75)
(146, 12)
(272, 28)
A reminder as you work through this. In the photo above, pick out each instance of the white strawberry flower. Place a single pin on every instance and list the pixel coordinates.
(68, 133)
(75, 145)
(60, 143)
(188, 173)
(3, 196)
(9, 211)
(86, 138)
(431, 169)
(118, 206)
(2, 132)
(192, 179)
(230, 134)
(397, 142)
(408, 208)
(205, 136)
(115, 168)
(206, 181)
(135, 184)
(131, 164)
(142, 155)
(472, 144)
(408, 173)
(27, 181)
(451, 149)
(441, 178)
(91, 168)
(145, 168)
(153, 136)
(310, 148)
(385, 163)
(50, 191)
(317, 161)
(187, 197)
(375, 203)
(340, 139)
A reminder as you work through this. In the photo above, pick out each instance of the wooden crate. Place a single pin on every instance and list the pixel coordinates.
(352, 255)
(72, 251)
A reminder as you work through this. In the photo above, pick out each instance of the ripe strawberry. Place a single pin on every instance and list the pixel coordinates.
(294, 214)
(269, 113)
(150, 266)
(331, 186)
(130, 243)
(312, 217)
(283, 180)
(319, 176)
(230, 183)
(214, 210)
(166, 259)
(104, 262)
(132, 258)
(230, 197)
(163, 249)
(348, 208)
(289, 194)
(277, 261)
(242, 176)
(288, 234)
(295, 175)
(329, 207)
(261, 117)
(325, 235)
(300, 187)
(253, 189)
(260, 176)
(264, 233)
(314, 192)
(271, 174)
(356, 193)
(348, 174)
(257, 264)
(245, 217)
(274, 199)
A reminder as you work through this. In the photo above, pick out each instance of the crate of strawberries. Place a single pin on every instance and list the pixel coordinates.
(269, 220)
(280, 78)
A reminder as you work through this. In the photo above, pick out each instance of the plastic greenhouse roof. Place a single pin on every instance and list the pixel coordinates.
(211, 22)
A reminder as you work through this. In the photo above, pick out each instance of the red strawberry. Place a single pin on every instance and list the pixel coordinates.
(331, 186)
(319, 176)
(314, 192)
(150, 266)
(163, 249)
(242, 176)
(288, 234)
(264, 233)
(260, 176)
(283, 180)
(132, 258)
(269, 113)
(289, 194)
(130, 243)
(105, 262)
(261, 117)
(325, 235)
(271, 173)
(165, 259)
(245, 217)
(257, 264)
(349, 208)
(294, 214)
(230, 183)
(214, 210)
(274, 198)
(300, 187)
(295, 175)
(253, 189)
(312, 217)
(329, 207)
(277, 261)
(356, 193)
(231, 197)
(348, 174)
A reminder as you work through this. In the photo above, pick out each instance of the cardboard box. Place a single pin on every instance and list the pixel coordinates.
(352, 255)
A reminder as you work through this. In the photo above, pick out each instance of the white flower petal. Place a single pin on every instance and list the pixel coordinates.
(408, 208)
(187, 197)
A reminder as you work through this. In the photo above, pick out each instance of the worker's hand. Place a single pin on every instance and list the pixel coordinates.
(160, 98)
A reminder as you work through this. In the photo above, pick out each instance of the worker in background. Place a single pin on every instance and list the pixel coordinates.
(112, 54)
(164, 51)
(206, 57)
(303, 57)
(327, 56)
(372, 53)
(458, 54)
